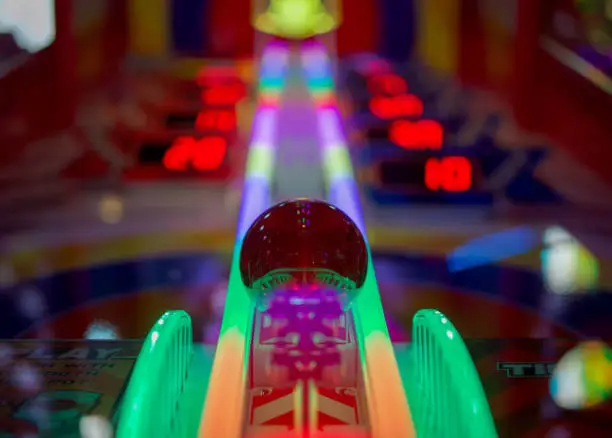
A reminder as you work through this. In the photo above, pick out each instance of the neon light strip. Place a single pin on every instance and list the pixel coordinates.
(223, 414)
(298, 409)
(388, 408)
(571, 60)
(313, 410)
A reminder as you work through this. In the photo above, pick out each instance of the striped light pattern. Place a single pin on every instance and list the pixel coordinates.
(388, 407)
(223, 414)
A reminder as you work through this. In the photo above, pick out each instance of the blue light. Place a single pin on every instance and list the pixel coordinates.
(493, 248)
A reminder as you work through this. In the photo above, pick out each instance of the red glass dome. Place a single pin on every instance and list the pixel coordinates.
(304, 239)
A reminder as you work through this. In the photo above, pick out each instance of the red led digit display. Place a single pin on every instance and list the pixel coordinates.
(208, 153)
(223, 95)
(406, 105)
(202, 154)
(450, 174)
(216, 76)
(388, 84)
(422, 134)
(216, 119)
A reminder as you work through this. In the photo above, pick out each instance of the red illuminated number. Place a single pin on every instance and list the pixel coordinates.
(222, 120)
(450, 174)
(381, 108)
(209, 153)
(179, 155)
(387, 84)
(216, 76)
(407, 105)
(220, 85)
(424, 134)
(223, 95)
(401, 133)
(203, 154)
(206, 120)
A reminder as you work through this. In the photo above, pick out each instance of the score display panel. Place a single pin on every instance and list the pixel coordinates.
(416, 165)
(213, 86)
(196, 138)
(402, 108)
(185, 153)
(406, 134)
(453, 175)
(381, 116)
(427, 177)
(411, 151)
(222, 119)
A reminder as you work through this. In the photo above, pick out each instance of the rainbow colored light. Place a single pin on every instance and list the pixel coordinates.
(387, 403)
(223, 414)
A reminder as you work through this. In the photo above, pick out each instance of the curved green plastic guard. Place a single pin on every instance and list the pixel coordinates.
(447, 399)
(150, 404)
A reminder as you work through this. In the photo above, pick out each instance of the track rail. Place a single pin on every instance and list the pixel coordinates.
(223, 414)
(446, 395)
(388, 411)
(387, 404)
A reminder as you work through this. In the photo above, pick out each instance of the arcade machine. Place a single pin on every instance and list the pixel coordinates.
(304, 348)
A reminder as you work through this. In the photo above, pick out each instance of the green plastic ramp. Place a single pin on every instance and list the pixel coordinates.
(445, 393)
(150, 406)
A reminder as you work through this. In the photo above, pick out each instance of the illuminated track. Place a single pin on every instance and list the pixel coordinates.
(436, 391)
(171, 378)
(388, 410)
(387, 406)
(223, 415)
(389, 414)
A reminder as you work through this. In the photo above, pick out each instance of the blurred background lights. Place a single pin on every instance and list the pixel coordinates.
(567, 266)
(6, 355)
(7, 274)
(583, 377)
(95, 426)
(558, 432)
(111, 209)
(26, 377)
(217, 299)
(32, 22)
(175, 275)
(493, 248)
(31, 303)
(102, 330)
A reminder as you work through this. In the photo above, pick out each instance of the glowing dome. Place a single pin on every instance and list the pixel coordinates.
(303, 242)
